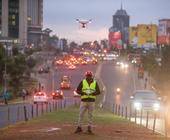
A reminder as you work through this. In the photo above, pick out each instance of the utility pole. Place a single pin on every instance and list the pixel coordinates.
(5, 70)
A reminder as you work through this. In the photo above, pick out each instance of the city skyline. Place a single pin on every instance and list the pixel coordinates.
(60, 16)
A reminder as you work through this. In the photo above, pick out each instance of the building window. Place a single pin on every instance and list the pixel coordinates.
(13, 18)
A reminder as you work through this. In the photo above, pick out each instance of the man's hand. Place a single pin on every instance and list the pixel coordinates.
(95, 93)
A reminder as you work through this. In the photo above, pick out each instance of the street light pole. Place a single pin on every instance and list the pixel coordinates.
(5, 71)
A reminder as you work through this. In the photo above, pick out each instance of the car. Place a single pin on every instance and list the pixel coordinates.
(94, 61)
(65, 83)
(124, 65)
(59, 62)
(134, 61)
(40, 70)
(119, 63)
(109, 57)
(40, 97)
(58, 94)
(83, 62)
(44, 70)
(145, 100)
(76, 94)
(71, 67)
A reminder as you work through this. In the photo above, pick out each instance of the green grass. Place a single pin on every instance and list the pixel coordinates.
(105, 117)
(70, 115)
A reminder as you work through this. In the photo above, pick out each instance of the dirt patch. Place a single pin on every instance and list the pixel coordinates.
(39, 131)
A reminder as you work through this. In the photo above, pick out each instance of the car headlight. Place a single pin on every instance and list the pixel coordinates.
(137, 105)
(156, 106)
(122, 65)
(126, 65)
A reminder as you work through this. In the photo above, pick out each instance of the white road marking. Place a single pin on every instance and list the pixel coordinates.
(53, 129)
(41, 130)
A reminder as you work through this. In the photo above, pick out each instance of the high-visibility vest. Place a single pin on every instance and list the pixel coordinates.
(88, 89)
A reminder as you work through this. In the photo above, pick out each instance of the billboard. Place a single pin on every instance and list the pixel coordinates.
(115, 39)
(147, 34)
(164, 39)
(133, 36)
(164, 32)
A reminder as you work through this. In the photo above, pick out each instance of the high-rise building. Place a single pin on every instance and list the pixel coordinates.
(164, 32)
(120, 25)
(21, 20)
(35, 21)
(0, 17)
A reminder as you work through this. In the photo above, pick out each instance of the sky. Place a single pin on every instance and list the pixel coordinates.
(61, 15)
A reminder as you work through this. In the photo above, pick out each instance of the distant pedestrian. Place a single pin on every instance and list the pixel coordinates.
(23, 94)
(6, 96)
(146, 82)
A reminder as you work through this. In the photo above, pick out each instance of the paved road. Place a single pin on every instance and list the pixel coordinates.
(53, 79)
(114, 77)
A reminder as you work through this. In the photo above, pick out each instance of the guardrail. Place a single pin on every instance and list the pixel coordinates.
(156, 121)
(11, 114)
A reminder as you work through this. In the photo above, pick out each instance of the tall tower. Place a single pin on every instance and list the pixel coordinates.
(121, 24)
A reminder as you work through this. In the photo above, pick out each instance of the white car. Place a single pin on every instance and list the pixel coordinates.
(124, 65)
(40, 97)
(119, 63)
(145, 100)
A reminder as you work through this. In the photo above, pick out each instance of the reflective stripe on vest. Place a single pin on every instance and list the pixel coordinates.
(89, 90)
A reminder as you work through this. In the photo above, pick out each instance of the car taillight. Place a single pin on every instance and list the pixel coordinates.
(53, 94)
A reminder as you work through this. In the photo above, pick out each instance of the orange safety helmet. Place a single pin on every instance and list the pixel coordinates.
(89, 74)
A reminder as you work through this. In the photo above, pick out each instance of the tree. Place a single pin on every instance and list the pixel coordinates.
(73, 45)
(31, 62)
(150, 64)
(15, 68)
(15, 51)
(65, 44)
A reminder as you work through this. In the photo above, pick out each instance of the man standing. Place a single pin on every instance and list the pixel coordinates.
(88, 89)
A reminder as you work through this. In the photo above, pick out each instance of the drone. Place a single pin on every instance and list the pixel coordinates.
(83, 23)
